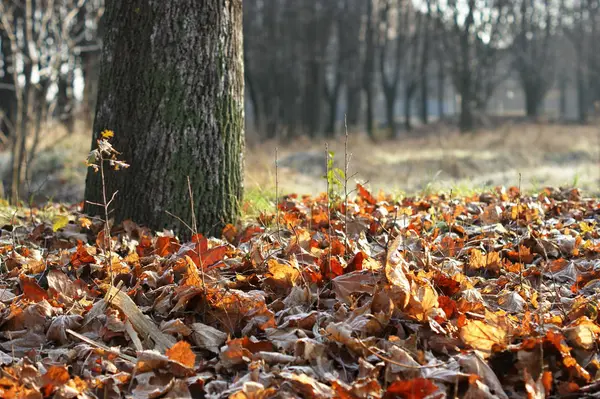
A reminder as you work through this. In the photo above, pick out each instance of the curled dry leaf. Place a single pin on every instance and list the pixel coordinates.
(396, 269)
(207, 337)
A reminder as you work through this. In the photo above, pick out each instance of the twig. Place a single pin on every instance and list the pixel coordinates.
(101, 346)
(408, 366)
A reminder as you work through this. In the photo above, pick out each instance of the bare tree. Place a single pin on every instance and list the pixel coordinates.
(40, 35)
(473, 46)
(424, 76)
(395, 40)
(534, 25)
(411, 74)
(369, 67)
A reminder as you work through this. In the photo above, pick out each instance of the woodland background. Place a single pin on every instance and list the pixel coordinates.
(521, 76)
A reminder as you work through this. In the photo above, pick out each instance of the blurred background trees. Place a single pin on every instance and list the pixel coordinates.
(388, 65)
(49, 52)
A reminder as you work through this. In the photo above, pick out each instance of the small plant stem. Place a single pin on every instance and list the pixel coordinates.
(106, 204)
(195, 232)
(346, 165)
(519, 243)
(277, 195)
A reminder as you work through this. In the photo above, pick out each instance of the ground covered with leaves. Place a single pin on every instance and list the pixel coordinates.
(492, 296)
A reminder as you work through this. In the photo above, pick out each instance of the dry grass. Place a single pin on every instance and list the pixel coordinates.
(439, 158)
(543, 154)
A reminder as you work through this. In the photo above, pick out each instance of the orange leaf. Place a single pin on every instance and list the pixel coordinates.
(417, 388)
(448, 306)
(165, 246)
(230, 233)
(547, 381)
(55, 377)
(182, 353)
(81, 256)
(31, 289)
(214, 255)
(365, 194)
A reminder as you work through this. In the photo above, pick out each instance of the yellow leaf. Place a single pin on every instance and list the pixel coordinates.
(483, 335)
(59, 222)
(107, 134)
(85, 223)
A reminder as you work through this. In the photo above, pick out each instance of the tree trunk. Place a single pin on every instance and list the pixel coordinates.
(423, 75)
(90, 69)
(562, 85)
(408, 106)
(466, 111)
(172, 90)
(65, 99)
(369, 69)
(424, 100)
(8, 98)
(332, 100)
(390, 112)
(532, 99)
(440, 91)
(353, 105)
(582, 103)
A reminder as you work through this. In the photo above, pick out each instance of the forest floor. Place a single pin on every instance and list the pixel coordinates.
(428, 295)
(486, 296)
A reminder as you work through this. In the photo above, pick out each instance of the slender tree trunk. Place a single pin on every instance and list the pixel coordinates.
(369, 69)
(582, 100)
(90, 68)
(423, 75)
(332, 100)
(253, 95)
(582, 103)
(8, 98)
(532, 99)
(440, 90)
(424, 101)
(172, 90)
(408, 106)
(353, 105)
(65, 99)
(466, 111)
(390, 111)
(562, 87)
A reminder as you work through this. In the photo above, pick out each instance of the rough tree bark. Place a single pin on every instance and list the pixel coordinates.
(171, 88)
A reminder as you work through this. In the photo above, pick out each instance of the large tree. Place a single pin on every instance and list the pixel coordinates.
(171, 88)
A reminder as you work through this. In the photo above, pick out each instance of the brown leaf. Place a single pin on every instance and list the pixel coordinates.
(60, 283)
(207, 337)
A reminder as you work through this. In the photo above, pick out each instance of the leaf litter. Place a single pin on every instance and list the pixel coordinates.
(488, 296)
